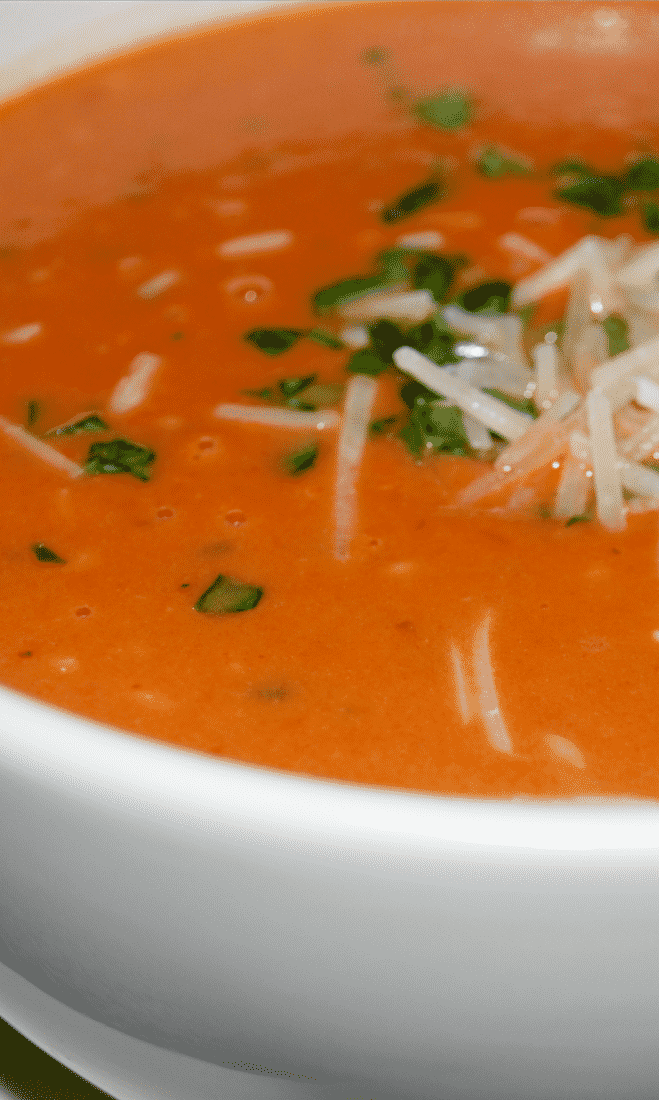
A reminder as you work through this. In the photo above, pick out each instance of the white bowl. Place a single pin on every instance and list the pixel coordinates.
(178, 918)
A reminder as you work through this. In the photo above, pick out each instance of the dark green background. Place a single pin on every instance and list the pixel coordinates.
(26, 1072)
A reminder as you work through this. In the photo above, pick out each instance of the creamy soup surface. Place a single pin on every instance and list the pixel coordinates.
(490, 648)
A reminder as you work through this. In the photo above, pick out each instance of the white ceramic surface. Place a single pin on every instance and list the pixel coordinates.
(349, 942)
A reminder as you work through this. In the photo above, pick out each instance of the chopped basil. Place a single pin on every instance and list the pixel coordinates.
(494, 164)
(526, 313)
(435, 340)
(273, 341)
(435, 427)
(42, 553)
(415, 394)
(91, 423)
(650, 217)
(327, 339)
(644, 175)
(411, 201)
(491, 297)
(601, 194)
(366, 361)
(289, 387)
(435, 274)
(120, 456)
(386, 337)
(520, 404)
(617, 332)
(575, 168)
(301, 459)
(226, 596)
(33, 413)
(394, 264)
(577, 519)
(322, 395)
(178, 335)
(383, 426)
(338, 294)
(447, 111)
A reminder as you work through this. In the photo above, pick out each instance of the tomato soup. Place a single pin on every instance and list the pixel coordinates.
(175, 225)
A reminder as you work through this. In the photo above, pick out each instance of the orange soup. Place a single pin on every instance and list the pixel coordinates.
(330, 400)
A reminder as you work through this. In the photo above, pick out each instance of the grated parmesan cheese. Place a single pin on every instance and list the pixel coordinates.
(43, 451)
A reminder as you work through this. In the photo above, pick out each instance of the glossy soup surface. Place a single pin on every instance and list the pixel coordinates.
(145, 165)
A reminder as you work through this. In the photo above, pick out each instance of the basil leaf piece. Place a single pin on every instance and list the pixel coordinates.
(650, 216)
(448, 111)
(414, 394)
(366, 361)
(120, 456)
(227, 596)
(435, 274)
(436, 427)
(383, 426)
(386, 337)
(644, 175)
(617, 332)
(321, 395)
(411, 201)
(300, 460)
(289, 387)
(519, 404)
(526, 313)
(273, 341)
(42, 553)
(32, 414)
(375, 56)
(434, 339)
(490, 298)
(338, 294)
(577, 519)
(394, 264)
(327, 339)
(493, 164)
(91, 423)
(598, 193)
(576, 168)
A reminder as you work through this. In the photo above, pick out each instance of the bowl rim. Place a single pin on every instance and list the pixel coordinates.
(81, 758)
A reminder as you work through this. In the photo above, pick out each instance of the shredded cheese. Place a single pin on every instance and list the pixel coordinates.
(133, 389)
(278, 418)
(43, 451)
(358, 405)
(256, 243)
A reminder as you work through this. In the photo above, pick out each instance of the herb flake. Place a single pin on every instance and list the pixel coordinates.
(617, 332)
(488, 298)
(448, 111)
(91, 423)
(300, 460)
(644, 175)
(410, 201)
(43, 553)
(228, 596)
(494, 164)
(650, 217)
(273, 341)
(120, 456)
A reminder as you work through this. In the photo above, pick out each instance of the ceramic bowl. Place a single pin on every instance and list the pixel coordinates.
(252, 933)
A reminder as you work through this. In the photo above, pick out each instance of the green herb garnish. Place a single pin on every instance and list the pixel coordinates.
(448, 111)
(435, 274)
(617, 332)
(32, 414)
(435, 427)
(91, 423)
(375, 56)
(489, 298)
(415, 393)
(650, 217)
(120, 456)
(226, 596)
(300, 460)
(435, 340)
(327, 339)
(386, 337)
(273, 341)
(338, 294)
(289, 387)
(577, 519)
(366, 361)
(644, 175)
(322, 395)
(594, 191)
(178, 335)
(411, 201)
(42, 553)
(383, 426)
(265, 394)
(494, 164)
